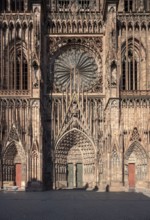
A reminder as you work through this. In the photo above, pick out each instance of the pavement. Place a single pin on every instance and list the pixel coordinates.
(74, 205)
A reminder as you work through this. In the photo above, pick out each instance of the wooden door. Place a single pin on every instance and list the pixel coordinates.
(70, 175)
(18, 174)
(131, 175)
(79, 171)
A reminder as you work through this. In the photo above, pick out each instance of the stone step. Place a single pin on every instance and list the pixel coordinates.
(117, 189)
(10, 188)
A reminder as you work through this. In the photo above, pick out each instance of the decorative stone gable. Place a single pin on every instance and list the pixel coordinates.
(135, 135)
(13, 134)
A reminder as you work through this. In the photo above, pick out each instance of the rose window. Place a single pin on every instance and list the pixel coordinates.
(75, 68)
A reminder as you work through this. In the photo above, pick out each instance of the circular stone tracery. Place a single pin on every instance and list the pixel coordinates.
(75, 68)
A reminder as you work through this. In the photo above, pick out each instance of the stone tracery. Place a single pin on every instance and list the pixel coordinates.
(93, 111)
(88, 52)
(75, 68)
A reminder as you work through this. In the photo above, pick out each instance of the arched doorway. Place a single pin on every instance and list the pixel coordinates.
(135, 166)
(13, 166)
(75, 161)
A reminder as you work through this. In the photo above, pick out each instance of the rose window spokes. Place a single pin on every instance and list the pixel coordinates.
(75, 69)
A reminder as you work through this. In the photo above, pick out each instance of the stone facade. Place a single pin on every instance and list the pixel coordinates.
(75, 94)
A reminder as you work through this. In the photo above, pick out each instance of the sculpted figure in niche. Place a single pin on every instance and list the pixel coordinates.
(35, 75)
(75, 110)
(113, 74)
(74, 7)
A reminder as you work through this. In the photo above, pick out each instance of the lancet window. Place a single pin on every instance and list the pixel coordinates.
(130, 71)
(82, 3)
(13, 5)
(63, 3)
(17, 5)
(128, 5)
(4, 5)
(17, 72)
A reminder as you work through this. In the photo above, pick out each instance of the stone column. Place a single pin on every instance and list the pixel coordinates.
(74, 175)
(148, 164)
(1, 175)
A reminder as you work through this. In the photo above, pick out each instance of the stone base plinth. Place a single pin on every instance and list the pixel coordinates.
(34, 186)
(116, 187)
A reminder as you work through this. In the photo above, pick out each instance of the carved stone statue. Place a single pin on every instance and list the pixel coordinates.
(35, 75)
(74, 7)
(113, 74)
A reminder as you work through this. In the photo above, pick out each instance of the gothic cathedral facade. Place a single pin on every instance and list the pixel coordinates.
(75, 94)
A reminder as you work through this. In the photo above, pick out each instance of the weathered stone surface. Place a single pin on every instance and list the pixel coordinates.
(75, 95)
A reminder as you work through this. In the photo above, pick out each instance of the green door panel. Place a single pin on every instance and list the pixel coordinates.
(70, 174)
(79, 175)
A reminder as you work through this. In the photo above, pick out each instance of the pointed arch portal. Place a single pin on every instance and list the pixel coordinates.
(75, 160)
(13, 165)
(135, 165)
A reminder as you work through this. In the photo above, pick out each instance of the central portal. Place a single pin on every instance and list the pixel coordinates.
(79, 171)
(75, 175)
(75, 161)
